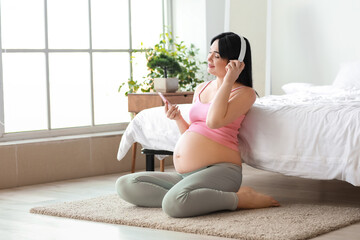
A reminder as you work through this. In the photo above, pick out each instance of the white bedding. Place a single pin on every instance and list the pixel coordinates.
(314, 133)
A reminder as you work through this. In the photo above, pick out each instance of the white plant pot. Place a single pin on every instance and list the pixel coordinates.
(166, 84)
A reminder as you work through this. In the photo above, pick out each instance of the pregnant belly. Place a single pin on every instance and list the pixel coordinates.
(194, 151)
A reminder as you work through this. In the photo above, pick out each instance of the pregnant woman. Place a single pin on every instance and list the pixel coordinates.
(207, 159)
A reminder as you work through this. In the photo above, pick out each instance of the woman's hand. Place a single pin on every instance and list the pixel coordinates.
(172, 112)
(233, 70)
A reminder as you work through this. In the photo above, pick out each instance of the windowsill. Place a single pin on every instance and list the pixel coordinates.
(62, 138)
(62, 134)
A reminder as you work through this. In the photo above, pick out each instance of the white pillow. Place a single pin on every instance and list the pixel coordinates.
(349, 76)
(324, 89)
(290, 88)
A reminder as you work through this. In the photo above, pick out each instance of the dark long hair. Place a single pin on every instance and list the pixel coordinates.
(229, 48)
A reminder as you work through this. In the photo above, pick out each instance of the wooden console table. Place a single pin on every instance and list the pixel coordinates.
(140, 101)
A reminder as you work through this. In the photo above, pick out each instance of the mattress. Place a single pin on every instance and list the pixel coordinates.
(313, 134)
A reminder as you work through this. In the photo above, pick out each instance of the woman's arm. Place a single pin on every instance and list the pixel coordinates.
(224, 111)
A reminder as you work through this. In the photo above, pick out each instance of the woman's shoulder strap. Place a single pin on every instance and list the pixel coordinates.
(204, 87)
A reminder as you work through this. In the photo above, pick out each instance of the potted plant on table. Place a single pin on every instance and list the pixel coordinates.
(168, 67)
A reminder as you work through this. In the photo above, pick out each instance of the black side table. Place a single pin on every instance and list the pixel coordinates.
(150, 157)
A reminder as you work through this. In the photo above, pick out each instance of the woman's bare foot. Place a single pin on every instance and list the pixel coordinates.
(249, 199)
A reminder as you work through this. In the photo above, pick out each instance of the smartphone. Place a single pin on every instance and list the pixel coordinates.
(164, 99)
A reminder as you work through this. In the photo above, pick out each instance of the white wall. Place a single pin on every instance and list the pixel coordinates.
(189, 22)
(215, 19)
(197, 21)
(310, 39)
(248, 18)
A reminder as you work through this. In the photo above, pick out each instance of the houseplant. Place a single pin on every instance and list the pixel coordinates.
(169, 68)
(190, 75)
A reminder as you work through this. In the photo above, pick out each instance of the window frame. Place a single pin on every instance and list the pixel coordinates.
(92, 129)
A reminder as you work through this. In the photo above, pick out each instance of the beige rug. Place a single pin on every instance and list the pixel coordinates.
(290, 222)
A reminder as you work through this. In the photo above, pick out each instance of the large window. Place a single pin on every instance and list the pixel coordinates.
(62, 61)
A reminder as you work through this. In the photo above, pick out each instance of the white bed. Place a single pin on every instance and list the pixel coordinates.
(311, 132)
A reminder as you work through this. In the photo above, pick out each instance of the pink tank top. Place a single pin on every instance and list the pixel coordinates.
(226, 135)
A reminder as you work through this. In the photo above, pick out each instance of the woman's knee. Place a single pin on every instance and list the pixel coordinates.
(124, 186)
(175, 205)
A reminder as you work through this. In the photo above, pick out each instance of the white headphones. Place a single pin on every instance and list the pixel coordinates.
(242, 50)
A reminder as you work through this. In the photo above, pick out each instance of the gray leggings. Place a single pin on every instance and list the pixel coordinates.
(203, 191)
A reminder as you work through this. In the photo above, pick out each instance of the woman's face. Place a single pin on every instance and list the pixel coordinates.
(216, 64)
